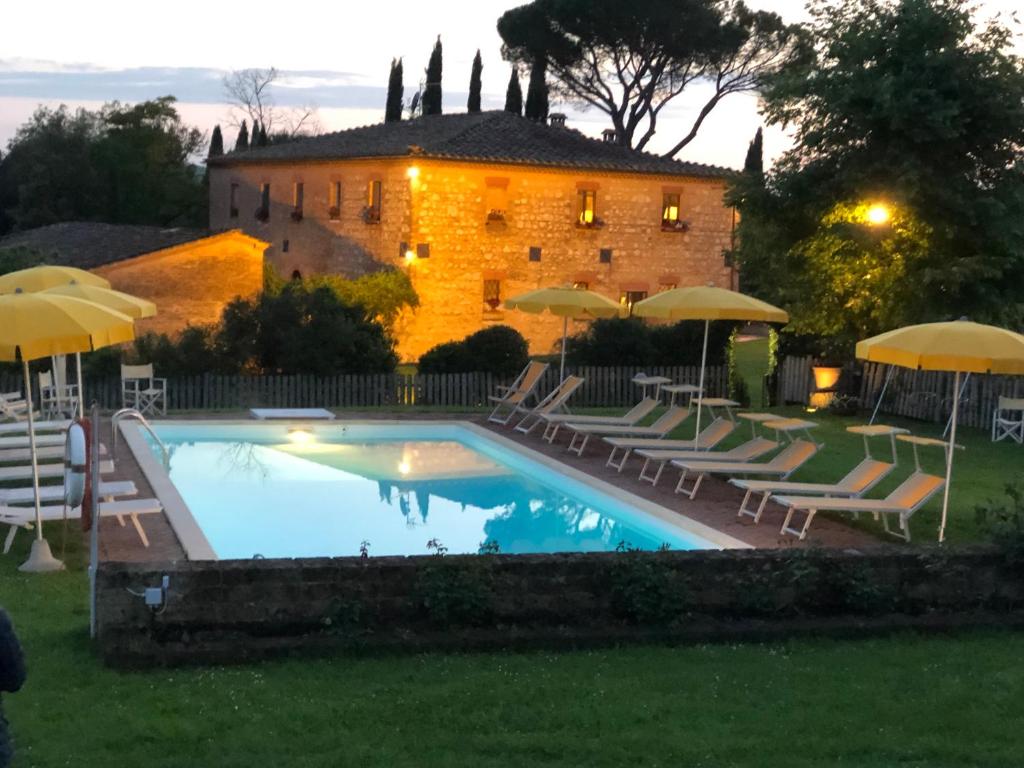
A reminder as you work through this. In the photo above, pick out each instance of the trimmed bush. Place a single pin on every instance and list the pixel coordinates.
(632, 341)
(500, 350)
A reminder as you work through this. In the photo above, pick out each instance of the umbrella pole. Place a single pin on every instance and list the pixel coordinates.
(949, 457)
(40, 559)
(700, 385)
(81, 386)
(565, 331)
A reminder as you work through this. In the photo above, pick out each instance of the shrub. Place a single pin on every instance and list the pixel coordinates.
(632, 341)
(500, 350)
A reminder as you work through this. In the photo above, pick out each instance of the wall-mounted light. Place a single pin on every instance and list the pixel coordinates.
(413, 172)
(410, 256)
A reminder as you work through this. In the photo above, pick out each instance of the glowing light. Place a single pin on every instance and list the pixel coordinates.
(410, 255)
(412, 172)
(878, 214)
(301, 436)
(404, 468)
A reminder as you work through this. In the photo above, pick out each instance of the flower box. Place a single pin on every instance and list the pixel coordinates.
(675, 226)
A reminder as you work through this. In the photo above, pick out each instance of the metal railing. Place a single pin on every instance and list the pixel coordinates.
(135, 415)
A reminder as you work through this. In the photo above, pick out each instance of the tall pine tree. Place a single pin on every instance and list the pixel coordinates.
(396, 90)
(216, 143)
(473, 103)
(537, 92)
(432, 90)
(514, 93)
(754, 162)
(242, 142)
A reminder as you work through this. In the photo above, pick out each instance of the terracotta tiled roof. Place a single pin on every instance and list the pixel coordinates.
(87, 245)
(496, 136)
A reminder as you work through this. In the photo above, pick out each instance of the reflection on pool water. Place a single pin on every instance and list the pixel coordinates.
(325, 490)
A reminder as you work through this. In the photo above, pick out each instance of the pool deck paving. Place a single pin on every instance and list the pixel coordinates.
(715, 506)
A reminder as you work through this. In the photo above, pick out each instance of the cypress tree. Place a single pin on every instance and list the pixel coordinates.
(393, 104)
(537, 92)
(754, 162)
(514, 93)
(216, 143)
(242, 142)
(263, 141)
(473, 104)
(432, 91)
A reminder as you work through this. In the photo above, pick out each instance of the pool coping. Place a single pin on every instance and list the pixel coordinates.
(197, 546)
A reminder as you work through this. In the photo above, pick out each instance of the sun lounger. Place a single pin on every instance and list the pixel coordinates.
(553, 402)
(21, 427)
(53, 493)
(668, 421)
(785, 463)
(631, 417)
(516, 395)
(9, 455)
(25, 517)
(748, 451)
(854, 484)
(710, 436)
(22, 441)
(13, 406)
(54, 469)
(912, 494)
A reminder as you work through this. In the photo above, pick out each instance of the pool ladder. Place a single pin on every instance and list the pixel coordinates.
(135, 415)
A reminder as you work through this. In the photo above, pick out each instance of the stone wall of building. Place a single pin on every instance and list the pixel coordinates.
(443, 206)
(190, 284)
(231, 611)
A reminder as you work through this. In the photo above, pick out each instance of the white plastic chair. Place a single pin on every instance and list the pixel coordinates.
(56, 401)
(142, 391)
(1008, 420)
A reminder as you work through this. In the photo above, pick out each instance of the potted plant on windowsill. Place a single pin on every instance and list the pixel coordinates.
(594, 223)
(334, 213)
(496, 219)
(492, 304)
(262, 214)
(296, 215)
(675, 226)
(371, 215)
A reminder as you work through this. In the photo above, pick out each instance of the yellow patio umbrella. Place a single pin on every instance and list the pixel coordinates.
(35, 325)
(959, 346)
(565, 302)
(124, 303)
(46, 276)
(707, 303)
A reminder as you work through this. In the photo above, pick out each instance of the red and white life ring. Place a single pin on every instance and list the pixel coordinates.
(76, 470)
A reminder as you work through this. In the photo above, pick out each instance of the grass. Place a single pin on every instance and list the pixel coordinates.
(908, 700)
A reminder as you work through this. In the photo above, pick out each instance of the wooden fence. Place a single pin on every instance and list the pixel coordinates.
(606, 386)
(925, 395)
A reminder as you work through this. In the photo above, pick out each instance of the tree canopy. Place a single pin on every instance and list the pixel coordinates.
(630, 60)
(911, 107)
(122, 164)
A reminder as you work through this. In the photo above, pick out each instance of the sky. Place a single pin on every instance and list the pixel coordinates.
(333, 55)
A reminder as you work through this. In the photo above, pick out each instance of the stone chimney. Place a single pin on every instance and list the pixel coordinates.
(557, 119)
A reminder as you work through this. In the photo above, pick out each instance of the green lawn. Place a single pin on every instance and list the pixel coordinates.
(907, 700)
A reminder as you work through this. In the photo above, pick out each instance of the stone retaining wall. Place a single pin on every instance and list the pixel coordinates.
(232, 611)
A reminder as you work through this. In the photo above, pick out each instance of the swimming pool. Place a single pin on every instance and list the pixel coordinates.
(243, 490)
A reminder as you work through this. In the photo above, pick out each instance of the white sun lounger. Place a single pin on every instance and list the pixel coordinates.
(25, 517)
(912, 494)
(516, 395)
(22, 441)
(631, 417)
(13, 406)
(782, 465)
(54, 469)
(21, 427)
(51, 493)
(301, 414)
(665, 423)
(710, 436)
(748, 451)
(552, 403)
(854, 484)
(8, 455)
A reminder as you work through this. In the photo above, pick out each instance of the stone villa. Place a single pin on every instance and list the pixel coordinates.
(478, 208)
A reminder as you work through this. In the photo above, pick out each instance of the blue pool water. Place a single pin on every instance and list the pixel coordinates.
(323, 490)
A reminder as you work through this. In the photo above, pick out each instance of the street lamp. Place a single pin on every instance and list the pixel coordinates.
(878, 214)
